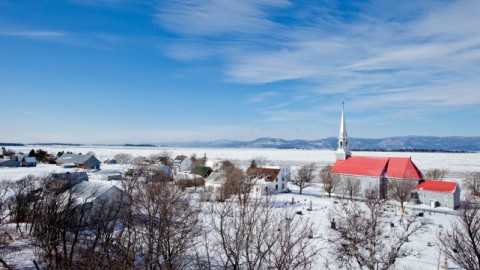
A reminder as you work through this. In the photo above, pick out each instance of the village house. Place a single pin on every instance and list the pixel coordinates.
(269, 180)
(374, 173)
(182, 163)
(96, 196)
(9, 163)
(80, 161)
(24, 160)
(215, 180)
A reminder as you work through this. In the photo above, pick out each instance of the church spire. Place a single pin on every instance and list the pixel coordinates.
(343, 152)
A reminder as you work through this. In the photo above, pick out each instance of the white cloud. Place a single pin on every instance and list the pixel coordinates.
(262, 96)
(34, 33)
(381, 56)
(212, 17)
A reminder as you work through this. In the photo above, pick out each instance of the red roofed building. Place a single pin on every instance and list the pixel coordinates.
(438, 193)
(373, 174)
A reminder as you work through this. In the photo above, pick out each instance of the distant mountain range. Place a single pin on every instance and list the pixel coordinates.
(406, 143)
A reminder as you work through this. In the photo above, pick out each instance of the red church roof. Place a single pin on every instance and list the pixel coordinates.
(437, 186)
(399, 167)
(366, 166)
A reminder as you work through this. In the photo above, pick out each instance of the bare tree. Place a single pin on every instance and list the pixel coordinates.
(236, 183)
(123, 158)
(351, 187)
(5, 249)
(304, 176)
(471, 184)
(258, 235)
(436, 174)
(362, 237)
(169, 227)
(20, 204)
(461, 244)
(58, 223)
(400, 190)
(331, 182)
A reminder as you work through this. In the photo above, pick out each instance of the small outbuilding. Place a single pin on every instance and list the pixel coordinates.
(438, 193)
(29, 162)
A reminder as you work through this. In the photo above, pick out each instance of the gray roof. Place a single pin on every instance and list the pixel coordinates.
(217, 177)
(90, 191)
(107, 172)
(9, 162)
(76, 159)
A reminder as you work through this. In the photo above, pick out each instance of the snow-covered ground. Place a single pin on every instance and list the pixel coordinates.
(458, 166)
(320, 216)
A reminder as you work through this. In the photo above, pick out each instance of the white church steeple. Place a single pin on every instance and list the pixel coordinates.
(342, 152)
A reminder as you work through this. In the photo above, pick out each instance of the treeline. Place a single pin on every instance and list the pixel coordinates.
(12, 144)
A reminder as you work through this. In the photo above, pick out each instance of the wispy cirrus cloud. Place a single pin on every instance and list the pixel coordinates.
(39, 34)
(372, 48)
(214, 17)
(262, 96)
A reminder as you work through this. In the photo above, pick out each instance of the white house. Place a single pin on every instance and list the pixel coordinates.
(215, 180)
(269, 179)
(29, 162)
(182, 163)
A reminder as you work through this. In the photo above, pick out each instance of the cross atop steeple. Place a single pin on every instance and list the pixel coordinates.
(343, 152)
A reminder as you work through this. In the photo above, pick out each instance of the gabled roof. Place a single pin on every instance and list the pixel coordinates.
(217, 177)
(404, 168)
(202, 170)
(269, 174)
(76, 159)
(437, 186)
(365, 166)
(181, 157)
(90, 191)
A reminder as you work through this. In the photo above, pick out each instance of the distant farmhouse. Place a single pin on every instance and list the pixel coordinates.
(374, 173)
(24, 160)
(9, 163)
(80, 161)
(269, 180)
(182, 163)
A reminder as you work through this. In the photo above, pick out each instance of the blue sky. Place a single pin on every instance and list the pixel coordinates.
(117, 71)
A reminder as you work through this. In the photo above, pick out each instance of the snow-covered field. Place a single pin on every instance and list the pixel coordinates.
(458, 166)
